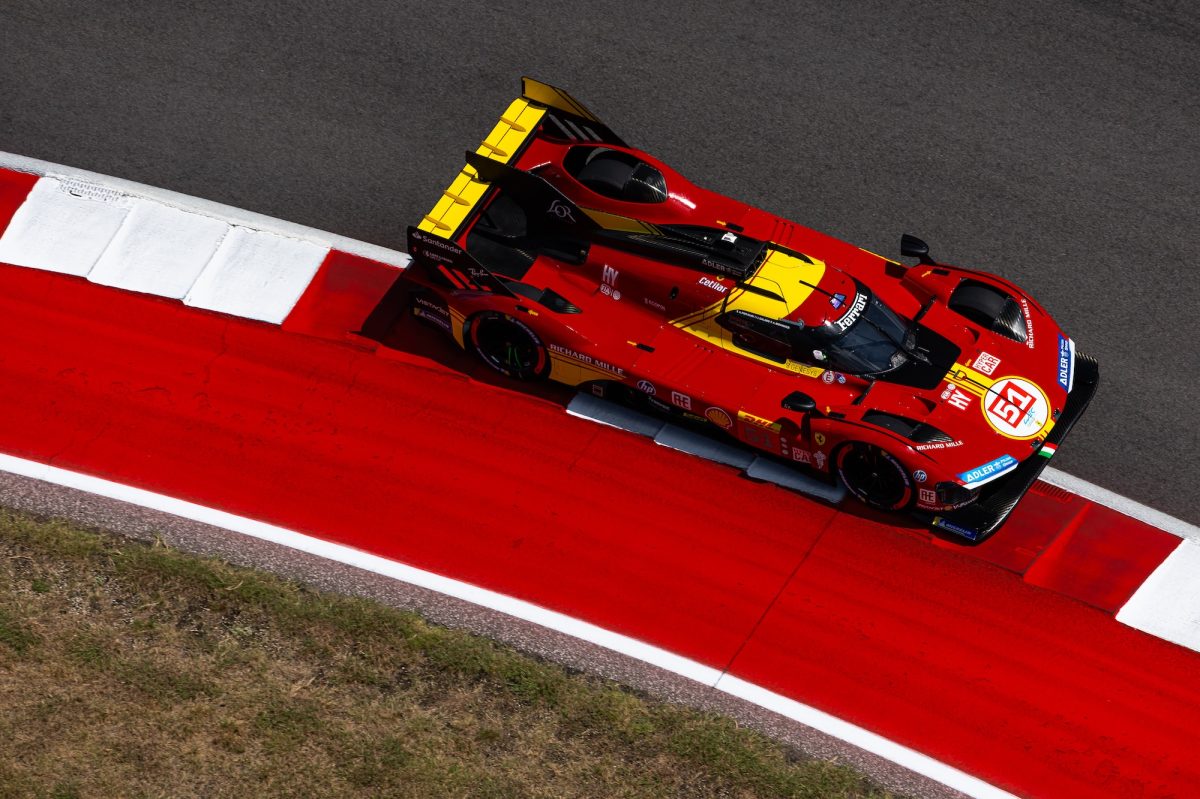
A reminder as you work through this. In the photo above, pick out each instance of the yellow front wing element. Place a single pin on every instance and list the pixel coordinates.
(781, 274)
(516, 125)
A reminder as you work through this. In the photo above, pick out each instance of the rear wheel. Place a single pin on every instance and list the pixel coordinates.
(508, 345)
(873, 475)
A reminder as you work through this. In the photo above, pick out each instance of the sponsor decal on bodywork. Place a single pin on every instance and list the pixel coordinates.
(852, 313)
(1028, 323)
(715, 285)
(760, 422)
(957, 398)
(939, 445)
(658, 404)
(927, 496)
(681, 400)
(986, 363)
(988, 471)
(437, 314)
(951, 527)
(719, 417)
(1066, 362)
(587, 360)
(560, 210)
(646, 386)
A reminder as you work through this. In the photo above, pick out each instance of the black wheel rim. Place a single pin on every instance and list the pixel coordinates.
(873, 476)
(507, 348)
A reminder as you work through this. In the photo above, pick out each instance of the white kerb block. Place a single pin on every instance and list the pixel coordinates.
(1168, 603)
(159, 250)
(256, 275)
(63, 226)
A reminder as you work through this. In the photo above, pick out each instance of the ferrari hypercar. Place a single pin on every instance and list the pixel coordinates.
(561, 253)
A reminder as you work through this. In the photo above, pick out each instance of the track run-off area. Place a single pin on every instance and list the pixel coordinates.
(1013, 666)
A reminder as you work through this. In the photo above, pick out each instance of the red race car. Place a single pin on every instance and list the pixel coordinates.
(561, 253)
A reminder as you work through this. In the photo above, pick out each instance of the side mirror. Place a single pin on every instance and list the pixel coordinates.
(913, 247)
(800, 402)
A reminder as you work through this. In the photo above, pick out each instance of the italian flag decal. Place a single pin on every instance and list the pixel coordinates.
(1048, 450)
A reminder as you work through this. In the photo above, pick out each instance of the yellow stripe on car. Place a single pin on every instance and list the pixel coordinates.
(617, 222)
(572, 372)
(788, 278)
(969, 380)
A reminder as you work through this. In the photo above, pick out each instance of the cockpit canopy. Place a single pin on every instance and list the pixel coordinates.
(866, 338)
(616, 175)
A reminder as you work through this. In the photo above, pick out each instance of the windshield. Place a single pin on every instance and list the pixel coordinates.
(871, 344)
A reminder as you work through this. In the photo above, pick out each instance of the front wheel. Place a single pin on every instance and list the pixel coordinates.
(873, 475)
(508, 345)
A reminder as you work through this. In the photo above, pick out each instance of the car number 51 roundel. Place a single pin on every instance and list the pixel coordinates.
(1016, 408)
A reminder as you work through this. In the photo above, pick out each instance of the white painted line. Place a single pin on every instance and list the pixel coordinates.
(517, 608)
(159, 250)
(1124, 505)
(256, 275)
(1167, 604)
(863, 739)
(63, 226)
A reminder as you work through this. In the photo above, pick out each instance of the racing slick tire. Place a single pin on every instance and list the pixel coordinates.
(507, 345)
(874, 476)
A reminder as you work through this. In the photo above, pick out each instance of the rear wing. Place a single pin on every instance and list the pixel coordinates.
(540, 106)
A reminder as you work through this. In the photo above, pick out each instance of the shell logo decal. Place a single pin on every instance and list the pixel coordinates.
(1016, 408)
(719, 417)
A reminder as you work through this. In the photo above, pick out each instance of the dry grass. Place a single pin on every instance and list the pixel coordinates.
(131, 670)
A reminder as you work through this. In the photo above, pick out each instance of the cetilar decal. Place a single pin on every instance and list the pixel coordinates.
(988, 471)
